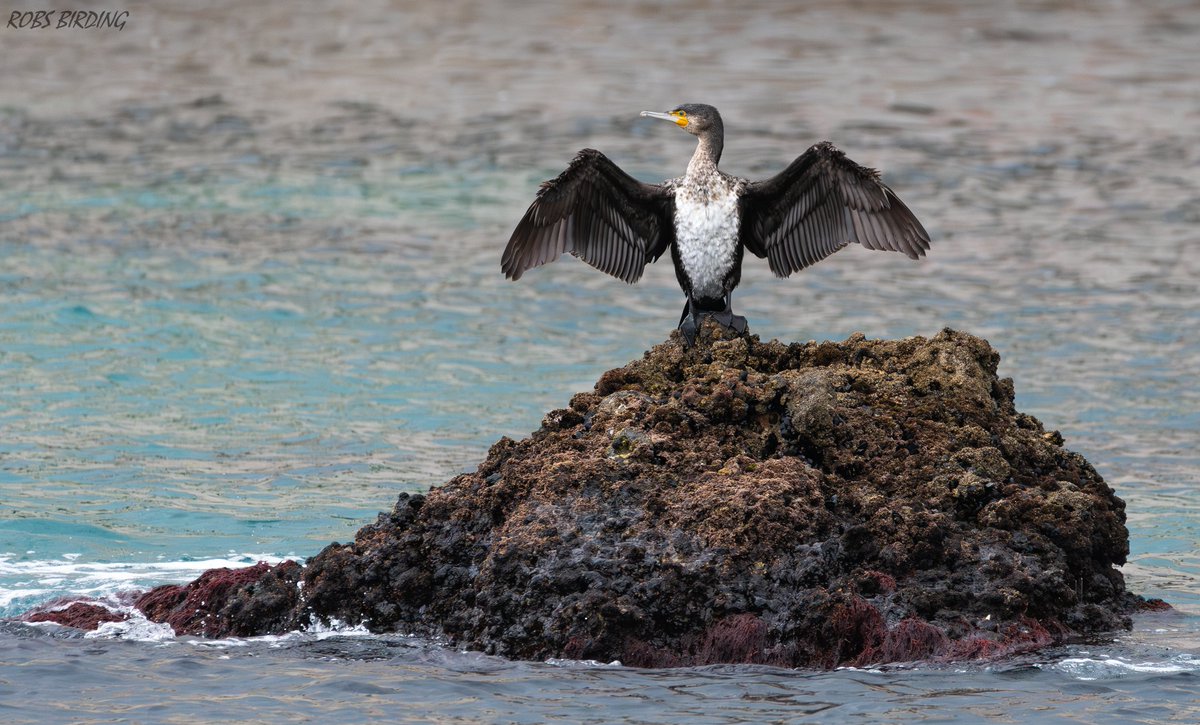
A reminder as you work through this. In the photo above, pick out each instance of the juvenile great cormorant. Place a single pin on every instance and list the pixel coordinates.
(814, 207)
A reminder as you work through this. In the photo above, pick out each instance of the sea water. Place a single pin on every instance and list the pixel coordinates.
(250, 292)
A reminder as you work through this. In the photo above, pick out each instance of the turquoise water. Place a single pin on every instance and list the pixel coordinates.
(259, 376)
(233, 329)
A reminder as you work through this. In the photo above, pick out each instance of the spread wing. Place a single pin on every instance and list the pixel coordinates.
(819, 204)
(597, 212)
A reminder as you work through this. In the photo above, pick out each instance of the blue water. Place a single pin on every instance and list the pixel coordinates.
(234, 329)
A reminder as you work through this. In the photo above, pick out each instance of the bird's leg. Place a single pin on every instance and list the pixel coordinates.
(737, 323)
(689, 323)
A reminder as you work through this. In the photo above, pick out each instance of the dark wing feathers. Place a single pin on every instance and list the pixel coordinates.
(819, 204)
(597, 212)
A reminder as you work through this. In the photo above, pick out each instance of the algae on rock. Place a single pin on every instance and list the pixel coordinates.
(815, 505)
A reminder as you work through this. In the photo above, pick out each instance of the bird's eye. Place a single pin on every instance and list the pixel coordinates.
(681, 114)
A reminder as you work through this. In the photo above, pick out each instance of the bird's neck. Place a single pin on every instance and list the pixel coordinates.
(708, 154)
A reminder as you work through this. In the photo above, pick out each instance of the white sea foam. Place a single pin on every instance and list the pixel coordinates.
(8, 596)
(1107, 668)
(337, 628)
(558, 662)
(25, 582)
(136, 628)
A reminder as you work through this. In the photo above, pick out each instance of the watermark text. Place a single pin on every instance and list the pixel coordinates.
(68, 19)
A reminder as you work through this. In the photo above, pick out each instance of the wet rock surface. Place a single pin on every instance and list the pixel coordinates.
(810, 505)
(223, 602)
(85, 615)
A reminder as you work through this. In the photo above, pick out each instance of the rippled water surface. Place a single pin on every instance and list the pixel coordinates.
(249, 292)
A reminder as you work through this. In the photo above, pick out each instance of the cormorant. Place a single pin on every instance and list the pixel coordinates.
(814, 207)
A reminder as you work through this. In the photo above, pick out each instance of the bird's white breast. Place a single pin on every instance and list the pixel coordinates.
(706, 234)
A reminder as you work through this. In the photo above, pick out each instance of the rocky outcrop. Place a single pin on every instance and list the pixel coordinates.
(811, 505)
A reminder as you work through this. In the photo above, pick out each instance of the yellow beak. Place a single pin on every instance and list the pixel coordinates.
(673, 116)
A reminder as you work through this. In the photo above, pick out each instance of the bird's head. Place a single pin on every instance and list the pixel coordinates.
(695, 118)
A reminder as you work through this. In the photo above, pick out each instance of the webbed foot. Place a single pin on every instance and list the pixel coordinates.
(737, 323)
(689, 322)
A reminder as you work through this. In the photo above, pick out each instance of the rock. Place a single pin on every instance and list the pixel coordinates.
(809, 505)
(86, 615)
(221, 601)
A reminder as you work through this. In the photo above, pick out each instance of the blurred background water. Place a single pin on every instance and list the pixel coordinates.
(249, 292)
